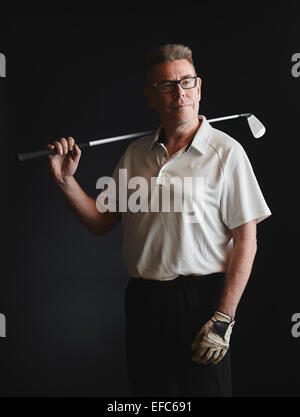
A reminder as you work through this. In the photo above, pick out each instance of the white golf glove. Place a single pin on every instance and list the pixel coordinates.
(212, 341)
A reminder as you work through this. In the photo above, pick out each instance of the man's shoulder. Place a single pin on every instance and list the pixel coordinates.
(224, 144)
(141, 144)
(222, 140)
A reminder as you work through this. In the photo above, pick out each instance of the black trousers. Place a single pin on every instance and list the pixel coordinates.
(162, 320)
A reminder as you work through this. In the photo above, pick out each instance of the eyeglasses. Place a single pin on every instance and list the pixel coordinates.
(170, 85)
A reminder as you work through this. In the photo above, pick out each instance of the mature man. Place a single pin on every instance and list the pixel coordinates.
(188, 269)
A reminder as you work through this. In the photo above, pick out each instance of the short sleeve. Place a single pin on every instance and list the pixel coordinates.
(241, 196)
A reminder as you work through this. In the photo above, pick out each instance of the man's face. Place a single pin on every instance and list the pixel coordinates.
(179, 106)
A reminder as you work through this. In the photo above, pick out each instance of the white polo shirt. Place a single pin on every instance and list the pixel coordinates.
(161, 245)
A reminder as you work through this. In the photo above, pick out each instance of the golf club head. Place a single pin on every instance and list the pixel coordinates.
(256, 127)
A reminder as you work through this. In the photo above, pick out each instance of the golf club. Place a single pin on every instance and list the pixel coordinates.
(256, 127)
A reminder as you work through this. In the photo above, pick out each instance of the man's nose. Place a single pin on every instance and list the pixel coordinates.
(178, 91)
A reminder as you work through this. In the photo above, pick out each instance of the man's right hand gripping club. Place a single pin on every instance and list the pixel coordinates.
(65, 162)
(212, 341)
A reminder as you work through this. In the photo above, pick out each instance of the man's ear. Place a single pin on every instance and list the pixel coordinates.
(149, 95)
(199, 85)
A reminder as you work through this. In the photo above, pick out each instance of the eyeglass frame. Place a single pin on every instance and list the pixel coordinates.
(175, 82)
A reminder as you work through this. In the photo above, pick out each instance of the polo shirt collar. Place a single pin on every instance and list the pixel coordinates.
(200, 140)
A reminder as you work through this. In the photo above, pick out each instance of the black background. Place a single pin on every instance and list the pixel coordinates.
(81, 75)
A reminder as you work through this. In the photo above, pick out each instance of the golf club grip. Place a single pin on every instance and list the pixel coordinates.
(25, 156)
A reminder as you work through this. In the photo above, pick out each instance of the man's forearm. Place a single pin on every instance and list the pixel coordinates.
(237, 275)
(83, 206)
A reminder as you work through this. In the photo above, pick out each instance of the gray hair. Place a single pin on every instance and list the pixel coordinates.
(167, 53)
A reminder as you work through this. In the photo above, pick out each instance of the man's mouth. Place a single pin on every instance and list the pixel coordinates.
(179, 106)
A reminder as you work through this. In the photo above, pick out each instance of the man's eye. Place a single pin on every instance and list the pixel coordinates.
(188, 82)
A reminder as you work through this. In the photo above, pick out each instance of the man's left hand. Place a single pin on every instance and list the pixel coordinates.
(212, 341)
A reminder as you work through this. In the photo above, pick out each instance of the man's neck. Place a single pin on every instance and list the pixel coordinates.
(178, 136)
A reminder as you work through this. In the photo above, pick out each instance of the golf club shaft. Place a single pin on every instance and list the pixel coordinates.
(24, 156)
(234, 116)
